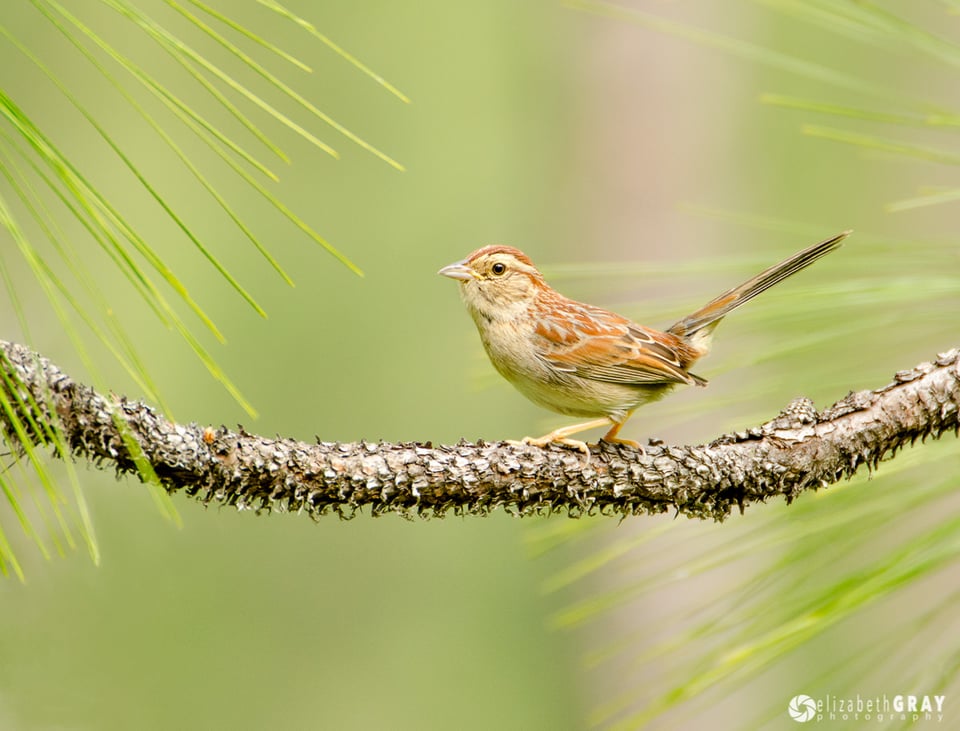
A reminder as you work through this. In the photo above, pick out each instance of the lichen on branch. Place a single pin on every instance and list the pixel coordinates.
(798, 450)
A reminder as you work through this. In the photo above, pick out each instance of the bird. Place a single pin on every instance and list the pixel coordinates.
(584, 361)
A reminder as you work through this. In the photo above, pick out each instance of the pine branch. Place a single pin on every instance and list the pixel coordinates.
(798, 450)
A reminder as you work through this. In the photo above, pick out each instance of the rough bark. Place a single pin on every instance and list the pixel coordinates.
(797, 450)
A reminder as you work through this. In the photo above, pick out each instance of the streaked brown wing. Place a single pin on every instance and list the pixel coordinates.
(593, 343)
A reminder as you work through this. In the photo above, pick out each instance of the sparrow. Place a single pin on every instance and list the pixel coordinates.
(581, 360)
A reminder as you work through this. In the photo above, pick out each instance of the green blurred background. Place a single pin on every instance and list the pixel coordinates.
(641, 171)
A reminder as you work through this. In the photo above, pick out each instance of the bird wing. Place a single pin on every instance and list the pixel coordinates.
(593, 343)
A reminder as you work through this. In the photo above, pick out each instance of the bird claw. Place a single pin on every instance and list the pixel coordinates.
(627, 442)
(563, 441)
(552, 439)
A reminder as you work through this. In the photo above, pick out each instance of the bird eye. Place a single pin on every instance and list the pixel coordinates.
(498, 268)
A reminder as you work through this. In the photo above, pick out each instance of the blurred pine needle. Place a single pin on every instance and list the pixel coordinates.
(841, 592)
(47, 185)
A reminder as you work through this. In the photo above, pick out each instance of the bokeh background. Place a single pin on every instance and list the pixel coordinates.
(635, 160)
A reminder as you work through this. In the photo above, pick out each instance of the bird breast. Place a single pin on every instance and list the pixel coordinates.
(511, 344)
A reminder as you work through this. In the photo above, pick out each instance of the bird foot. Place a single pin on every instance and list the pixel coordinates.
(553, 439)
(557, 439)
(628, 442)
(562, 437)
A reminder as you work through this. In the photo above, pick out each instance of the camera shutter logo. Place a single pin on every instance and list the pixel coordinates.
(802, 708)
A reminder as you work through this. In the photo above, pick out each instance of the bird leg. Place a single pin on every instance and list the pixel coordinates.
(560, 436)
(611, 436)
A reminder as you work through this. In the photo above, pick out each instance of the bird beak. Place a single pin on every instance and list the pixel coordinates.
(458, 270)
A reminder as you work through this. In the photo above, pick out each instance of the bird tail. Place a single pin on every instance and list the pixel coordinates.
(698, 326)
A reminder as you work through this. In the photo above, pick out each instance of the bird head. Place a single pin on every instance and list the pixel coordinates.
(496, 282)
